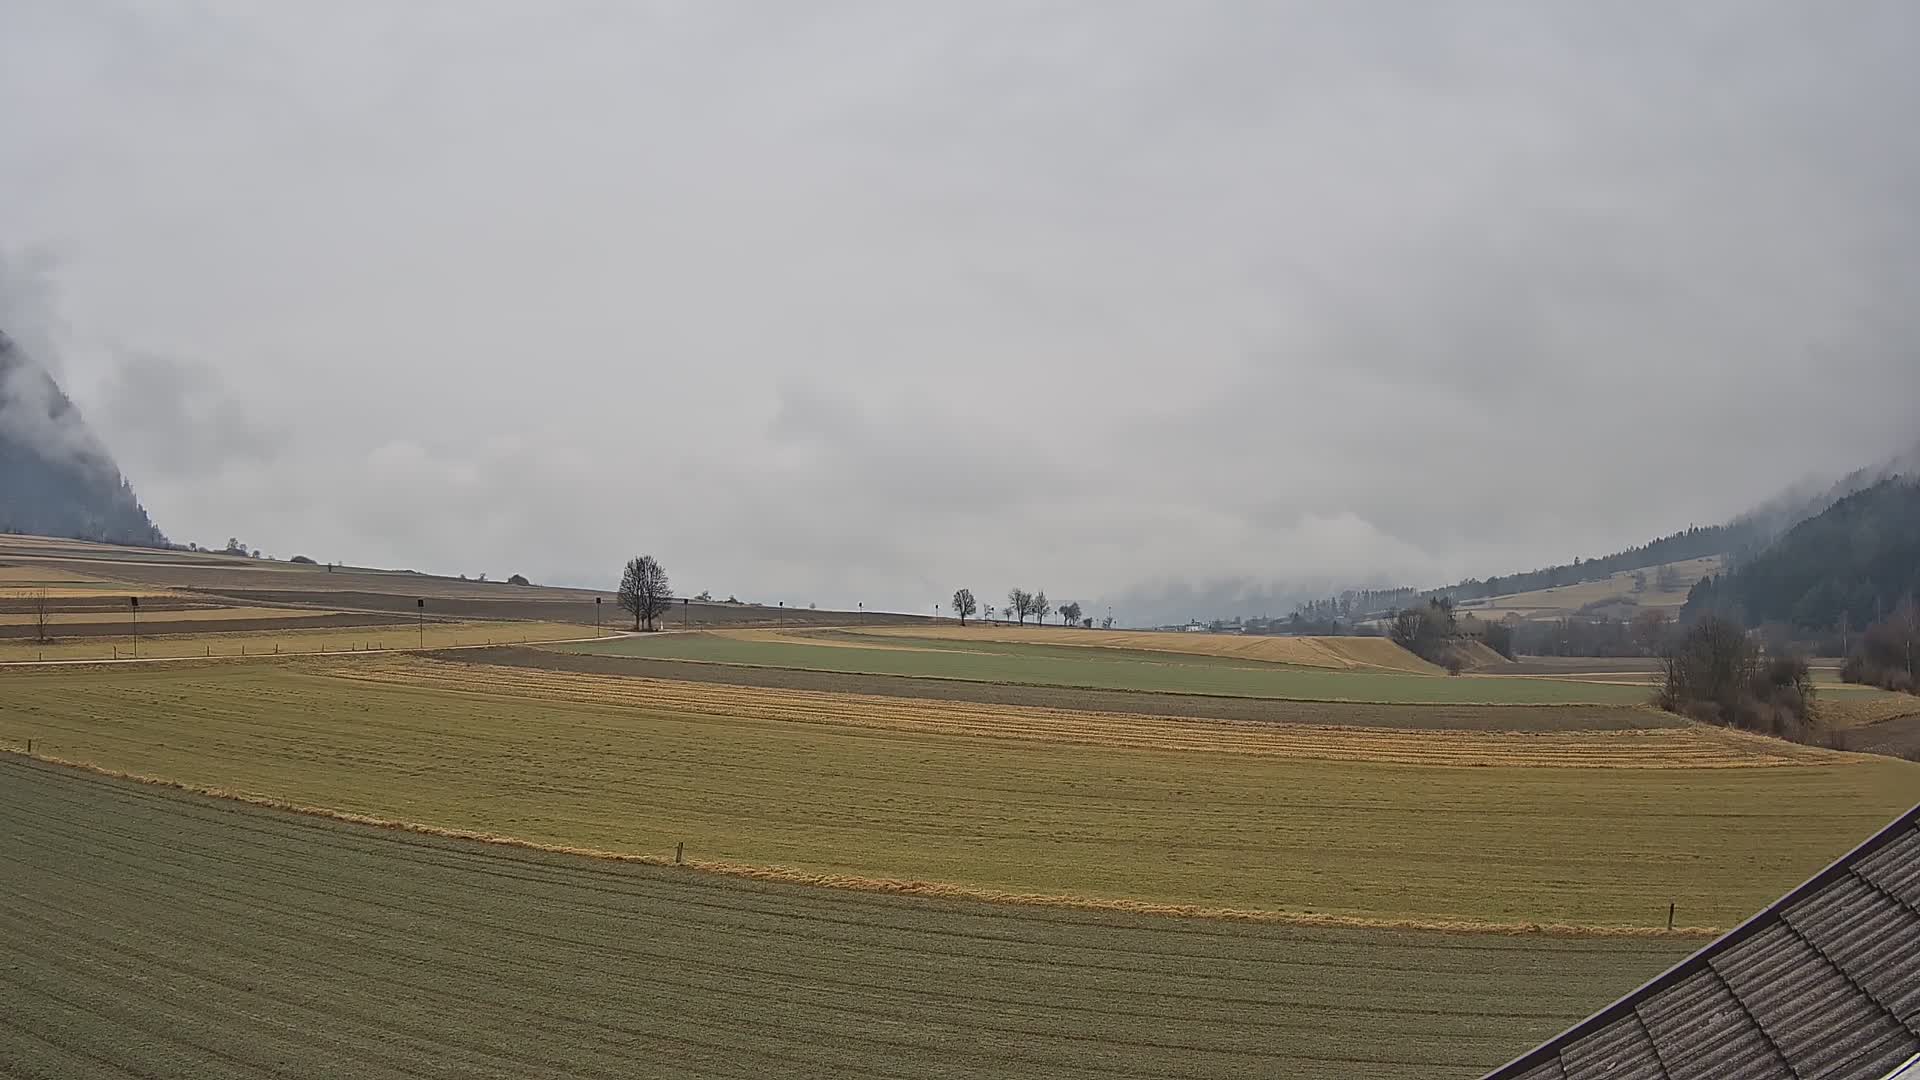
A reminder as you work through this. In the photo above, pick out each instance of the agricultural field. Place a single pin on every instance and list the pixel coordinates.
(1598, 829)
(236, 580)
(1340, 653)
(1619, 588)
(147, 926)
(1862, 706)
(1081, 699)
(1103, 667)
(321, 633)
(910, 850)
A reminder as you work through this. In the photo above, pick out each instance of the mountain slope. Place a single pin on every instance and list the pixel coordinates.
(1742, 539)
(56, 477)
(1856, 560)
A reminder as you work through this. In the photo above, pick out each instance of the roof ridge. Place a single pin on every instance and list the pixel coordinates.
(1703, 958)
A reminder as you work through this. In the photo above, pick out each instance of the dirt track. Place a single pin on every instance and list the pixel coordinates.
(1435, 717)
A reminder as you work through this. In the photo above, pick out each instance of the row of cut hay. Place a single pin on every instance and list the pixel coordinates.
(1653, 748)
(902, 887)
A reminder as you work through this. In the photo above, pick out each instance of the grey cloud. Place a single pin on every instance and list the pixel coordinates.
(176, 418)
(1169, 304)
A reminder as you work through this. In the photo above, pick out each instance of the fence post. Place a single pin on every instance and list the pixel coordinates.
(679, 851)
(1669, 916)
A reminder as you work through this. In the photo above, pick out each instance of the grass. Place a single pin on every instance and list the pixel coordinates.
(155, 933)
(1273, 832)
(1318, 652)
(1860, 706)
(1347, 714)
(121, 617)
(1106, 668)
(439, 635)
(1567, 599)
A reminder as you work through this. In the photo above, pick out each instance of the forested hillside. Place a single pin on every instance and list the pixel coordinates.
(56, 478)
(1845, 567)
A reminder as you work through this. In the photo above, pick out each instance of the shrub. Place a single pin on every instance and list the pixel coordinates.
(303, 559)
(1715, 675)
(1885, 656)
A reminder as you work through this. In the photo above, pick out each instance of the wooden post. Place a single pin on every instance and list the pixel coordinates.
(679, 851)
(29, 747)
(1669, 916)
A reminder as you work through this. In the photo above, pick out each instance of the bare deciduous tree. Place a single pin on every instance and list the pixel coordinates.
(40, 608)
(644, 590)
(1069, 613)
(1019, 603)
(964, 604)
(1038, 606)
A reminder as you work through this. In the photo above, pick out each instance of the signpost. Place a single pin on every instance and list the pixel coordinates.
(134, 602)
(420, 602)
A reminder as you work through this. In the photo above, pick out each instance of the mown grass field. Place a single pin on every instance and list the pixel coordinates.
(158, 934)
(1568, 599)
(1103, 668)
(285, 641)
(1105, 812)
(1319, 652)
(1185, 706)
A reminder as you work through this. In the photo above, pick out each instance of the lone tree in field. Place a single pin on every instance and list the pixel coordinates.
(644, 591)
(963, 604)
(1038, 607)
(1019, 603)
(1069, 613)
(38, 605)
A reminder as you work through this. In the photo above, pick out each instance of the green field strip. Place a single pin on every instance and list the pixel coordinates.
(1165, 672)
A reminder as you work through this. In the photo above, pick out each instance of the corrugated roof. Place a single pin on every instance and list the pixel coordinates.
(1823, 985)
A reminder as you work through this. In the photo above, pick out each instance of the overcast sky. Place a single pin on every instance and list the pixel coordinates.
(1156, 304)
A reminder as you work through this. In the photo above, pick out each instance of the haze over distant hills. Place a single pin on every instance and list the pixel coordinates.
(56, 477)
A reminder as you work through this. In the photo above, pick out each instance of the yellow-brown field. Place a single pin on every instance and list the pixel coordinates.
(121, 617)
(1693, 747)
(1852, 707)
(1566, 599)
(1428, 828)
(285, 642)
(1340, 653)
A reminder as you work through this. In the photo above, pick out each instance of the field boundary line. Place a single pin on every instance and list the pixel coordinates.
(935, 890)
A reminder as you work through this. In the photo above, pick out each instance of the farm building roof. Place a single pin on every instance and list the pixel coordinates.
(1823, 984)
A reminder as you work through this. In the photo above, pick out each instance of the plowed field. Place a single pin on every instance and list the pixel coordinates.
(152, 933)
